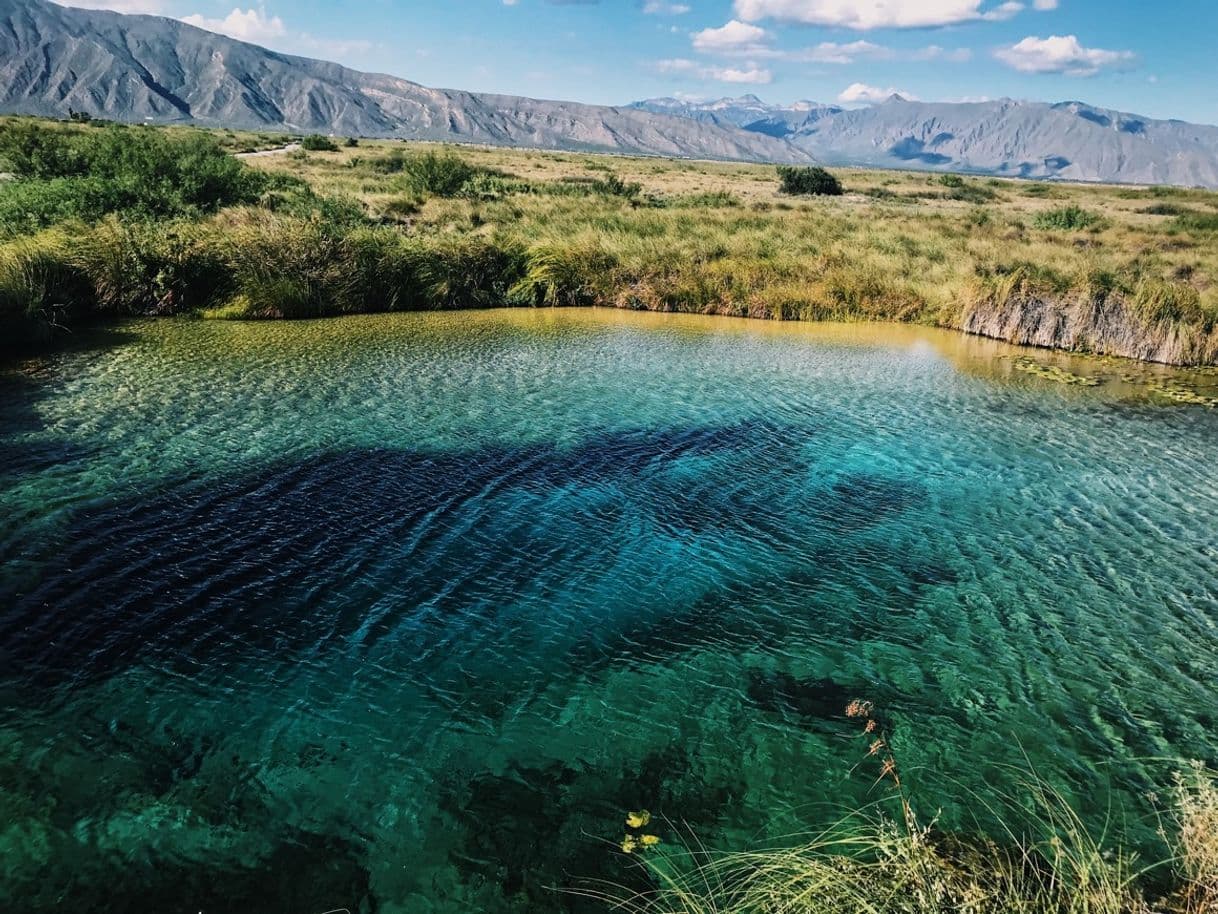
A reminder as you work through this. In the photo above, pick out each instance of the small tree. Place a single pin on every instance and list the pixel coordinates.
(318, 143)
(808, 181)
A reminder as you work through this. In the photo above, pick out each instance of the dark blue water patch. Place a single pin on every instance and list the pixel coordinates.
(207, 572)
(304, 872)
(543, 848)
(817, 701)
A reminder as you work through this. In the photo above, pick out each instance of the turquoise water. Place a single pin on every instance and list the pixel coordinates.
(404, 613)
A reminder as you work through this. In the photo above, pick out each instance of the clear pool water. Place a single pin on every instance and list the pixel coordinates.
(404, 613)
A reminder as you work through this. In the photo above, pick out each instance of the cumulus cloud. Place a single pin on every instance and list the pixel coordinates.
(259, 27)
(734, 38)
(252, 25)
(742, 39)
(874, 14)
(748, 74)
(1063, 54)
(863, 94)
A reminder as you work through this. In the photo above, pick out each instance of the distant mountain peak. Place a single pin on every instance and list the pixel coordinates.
(1069, 140)
(150, 69)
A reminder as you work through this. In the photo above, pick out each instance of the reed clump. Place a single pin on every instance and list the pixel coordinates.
(885, 860)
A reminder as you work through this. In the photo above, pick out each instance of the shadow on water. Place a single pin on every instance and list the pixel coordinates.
(356, 547)
(406, 556)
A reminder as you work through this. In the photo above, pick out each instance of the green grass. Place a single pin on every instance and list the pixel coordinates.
(1041, 859)
(283, 237)
(1068, 219)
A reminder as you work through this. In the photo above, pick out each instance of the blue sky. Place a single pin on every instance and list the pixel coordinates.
(1157, 59)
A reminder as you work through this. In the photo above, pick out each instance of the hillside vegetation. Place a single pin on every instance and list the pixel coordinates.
(101, 220)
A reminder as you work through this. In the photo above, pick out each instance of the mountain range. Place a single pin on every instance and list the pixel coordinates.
(1068, 140)
(156, 70)
(150, 69)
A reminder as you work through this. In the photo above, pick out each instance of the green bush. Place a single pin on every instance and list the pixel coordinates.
(951, 180)
(437, 174)
(808, 181)
(315, 142)
(65, 173)
(1071, 218)
(1205, 223)
(150, 267)
(40, 290)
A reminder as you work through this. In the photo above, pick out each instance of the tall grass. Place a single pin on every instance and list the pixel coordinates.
(387, 227)
(40, 290)
(1045, 860)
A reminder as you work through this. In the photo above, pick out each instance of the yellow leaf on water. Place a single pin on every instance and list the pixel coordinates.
(649, 840)
(638, 819)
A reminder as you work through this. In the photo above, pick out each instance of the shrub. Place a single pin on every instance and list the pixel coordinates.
(1071, 218)
(808, 181)
(315, 142)
(65, 173)
(351, 142)
(142, 267)
(440, 174)
(951, 180)
(1167, 209)
(717, 199)
(613, 186)
(468, 272)
(1205, 223)
(40, 290)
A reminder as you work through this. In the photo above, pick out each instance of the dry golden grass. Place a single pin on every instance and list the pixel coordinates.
(719, 237)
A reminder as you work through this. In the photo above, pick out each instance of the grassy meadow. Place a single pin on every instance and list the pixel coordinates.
(99, 220)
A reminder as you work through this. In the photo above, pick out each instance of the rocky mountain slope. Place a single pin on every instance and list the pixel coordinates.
(748, 112)
(151, 69)
(1070, 140)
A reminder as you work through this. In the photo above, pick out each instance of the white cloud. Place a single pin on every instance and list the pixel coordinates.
(664, 8)
(749, 73)
(757, 76)
(252, 25)
(1044, 5)
(873, 14)
(259, 27)
(734, 38)
(830, 52)
(863, 94)
(1061, 54)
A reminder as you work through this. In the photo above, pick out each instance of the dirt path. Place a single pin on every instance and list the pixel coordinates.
(262, 154)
